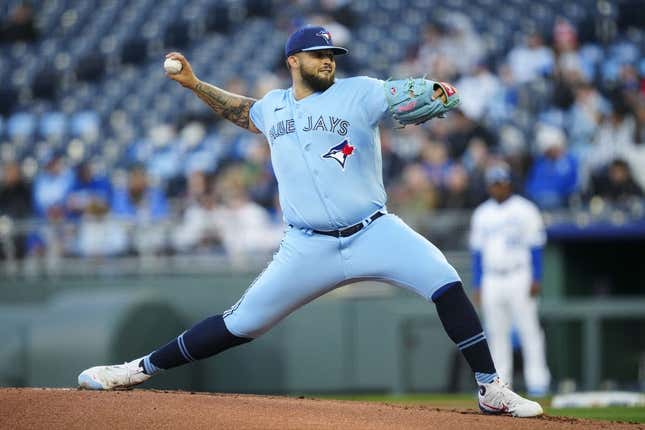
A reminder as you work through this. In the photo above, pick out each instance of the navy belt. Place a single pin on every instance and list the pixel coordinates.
(346, 232)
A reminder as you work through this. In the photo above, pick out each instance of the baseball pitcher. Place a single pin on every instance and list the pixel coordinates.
(325, 150)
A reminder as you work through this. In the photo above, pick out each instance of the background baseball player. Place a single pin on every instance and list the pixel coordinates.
(507, 237)
(325, 151)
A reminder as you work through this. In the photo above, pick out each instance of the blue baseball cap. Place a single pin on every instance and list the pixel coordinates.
(497, 174)
(311, 39)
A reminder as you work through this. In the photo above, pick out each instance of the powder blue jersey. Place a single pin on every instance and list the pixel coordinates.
(326, 152)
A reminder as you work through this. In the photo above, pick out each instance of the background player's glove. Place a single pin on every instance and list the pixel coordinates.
(413, 101)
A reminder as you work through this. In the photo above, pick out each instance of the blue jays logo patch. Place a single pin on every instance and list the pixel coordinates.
(325, 35)
(340, 152)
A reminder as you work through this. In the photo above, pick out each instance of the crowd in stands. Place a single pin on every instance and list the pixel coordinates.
(564, 106)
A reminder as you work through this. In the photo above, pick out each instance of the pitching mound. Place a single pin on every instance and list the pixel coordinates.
(76, 409)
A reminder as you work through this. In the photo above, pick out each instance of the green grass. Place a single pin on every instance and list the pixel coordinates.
(465, 401)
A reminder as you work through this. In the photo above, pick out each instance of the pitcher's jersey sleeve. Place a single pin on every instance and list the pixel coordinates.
(257, 113)
(373, 97)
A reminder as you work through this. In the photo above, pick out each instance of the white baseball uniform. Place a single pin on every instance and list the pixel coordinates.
(506, 240)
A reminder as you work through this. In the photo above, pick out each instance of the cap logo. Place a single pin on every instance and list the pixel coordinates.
(325, 35)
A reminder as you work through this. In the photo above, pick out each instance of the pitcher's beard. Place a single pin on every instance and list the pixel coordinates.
(315, 82)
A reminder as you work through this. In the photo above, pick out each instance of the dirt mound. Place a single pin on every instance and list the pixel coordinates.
(35, 408)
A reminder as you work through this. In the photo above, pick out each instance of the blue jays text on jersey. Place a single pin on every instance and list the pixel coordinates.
(330, 123)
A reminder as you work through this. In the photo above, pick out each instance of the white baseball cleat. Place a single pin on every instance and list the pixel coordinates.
(118, 376)
(497, 398)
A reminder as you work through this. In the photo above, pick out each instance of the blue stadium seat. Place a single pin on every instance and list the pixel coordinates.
(84, 122)
(52, 125)
(21, 125)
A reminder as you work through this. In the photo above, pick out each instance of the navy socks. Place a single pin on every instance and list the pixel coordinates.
(204, 339)
(462, 325)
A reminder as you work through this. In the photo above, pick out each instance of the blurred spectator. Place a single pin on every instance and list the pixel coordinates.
(52, 186)
(614, 138)
(639, 138)
(463, 131)
(570, 65)
(563, 90)
(199, 229)
(15, 192)
(441, 40)
(475, 161)
(627, 89)
(502, 107)
(615, 184)
(198, 154)
(554, 175)
(15, 205)
(199, 184)
(139, 200)
(20, 25)
(144, 207)
(99, 234)
(164, 160)
(565, 37)
(412, 64)
(435, 57)
(435, 162)
(477, 91)
(457, 192)
(245, 226)
(570, 69)
(584, 117)
(262, 185)
(531, 60)
(407, 142)
(512, 146)
(462, 38)
(89, 190)
(414, 195)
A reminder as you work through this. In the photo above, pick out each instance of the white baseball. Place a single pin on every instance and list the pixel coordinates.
(172, 66)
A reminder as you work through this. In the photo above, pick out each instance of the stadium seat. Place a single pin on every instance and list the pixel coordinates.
(8, 100)
(21, 125)
(90, 67)
(45, 83)
(134, 50)
(52, 125)
(176, 36)
(84, 123)
(217, 19)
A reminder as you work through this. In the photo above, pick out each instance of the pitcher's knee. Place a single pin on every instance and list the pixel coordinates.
(246, 327)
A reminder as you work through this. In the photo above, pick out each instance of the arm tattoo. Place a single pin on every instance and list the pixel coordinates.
(233, 107)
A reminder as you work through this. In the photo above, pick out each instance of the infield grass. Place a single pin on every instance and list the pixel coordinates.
(466, 401)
